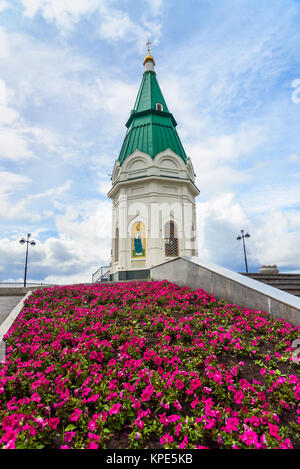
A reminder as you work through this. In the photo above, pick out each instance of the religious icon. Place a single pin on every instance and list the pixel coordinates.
(138, 240)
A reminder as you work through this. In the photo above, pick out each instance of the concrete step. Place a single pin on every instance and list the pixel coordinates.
(280, 281)
(273, 276)
(289, 283)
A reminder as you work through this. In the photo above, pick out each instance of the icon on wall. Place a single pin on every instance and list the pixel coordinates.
(138, 240)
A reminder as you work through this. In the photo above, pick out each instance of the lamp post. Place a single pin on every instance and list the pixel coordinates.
(243, 236)
(32, 243)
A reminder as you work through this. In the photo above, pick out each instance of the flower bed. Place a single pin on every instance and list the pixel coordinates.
(147, 365)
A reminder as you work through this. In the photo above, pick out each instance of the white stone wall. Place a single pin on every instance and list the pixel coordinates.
(153, 191)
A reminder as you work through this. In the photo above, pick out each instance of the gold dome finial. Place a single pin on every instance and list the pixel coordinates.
(149, 56)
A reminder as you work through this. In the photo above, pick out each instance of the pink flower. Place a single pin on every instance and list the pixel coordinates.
(177, 405)
(273, 430)
(35, 397)
(287, 444)
(147, 393)
(194, 403)
(92, 445)
(93, 398)
(184, 442)
(231, 425)
(157, 361)
(53, 422)
(75, 416)
(249, 438)
(173, 418)
(207, 390)
(115, 409)
(139, 423)
(166, 439)
(210, 424)
(239, 396)
(69, 436)
(179, 384)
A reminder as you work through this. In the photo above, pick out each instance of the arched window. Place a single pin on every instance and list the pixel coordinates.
(171, 239)
(117, 245)
(159, 107)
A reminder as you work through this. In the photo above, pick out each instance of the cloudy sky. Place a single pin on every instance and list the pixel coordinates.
(69, 74)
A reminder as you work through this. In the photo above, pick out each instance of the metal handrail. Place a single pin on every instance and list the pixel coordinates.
(100, 274)
(27, 283)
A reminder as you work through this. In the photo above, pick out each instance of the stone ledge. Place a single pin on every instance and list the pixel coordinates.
(6, 325)
(17, 291)
(230, 286)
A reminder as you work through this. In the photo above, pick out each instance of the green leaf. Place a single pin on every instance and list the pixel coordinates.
(70, 427)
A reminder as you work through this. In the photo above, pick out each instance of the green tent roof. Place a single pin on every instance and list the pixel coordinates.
(149, 130)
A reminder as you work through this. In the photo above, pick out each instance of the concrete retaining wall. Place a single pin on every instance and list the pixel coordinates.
(230, 287)
(16, 291)
(6, 325)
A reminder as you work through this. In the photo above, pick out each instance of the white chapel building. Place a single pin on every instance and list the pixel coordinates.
(153, 188)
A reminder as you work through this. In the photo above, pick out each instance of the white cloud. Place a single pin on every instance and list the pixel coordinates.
(82, 246)
(155, 6)
(11, 182)
(117, 25)
(274, 236)
(114, 24)
(65, 13)
(294, 158)
(114, 96)
(268, 197)
(14, 143)
(276, 239)
(8, 115)
(218, 223)
(18, 203)
(4, 5)
(214, 158)
(4, 49)
(228, 148)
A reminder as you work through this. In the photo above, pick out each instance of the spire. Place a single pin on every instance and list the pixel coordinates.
(149, 61)
(151, 128)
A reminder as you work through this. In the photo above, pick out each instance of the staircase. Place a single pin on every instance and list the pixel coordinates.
(101, 275)
(289, 283)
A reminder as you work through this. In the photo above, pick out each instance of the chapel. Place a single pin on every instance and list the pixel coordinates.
(153, 188)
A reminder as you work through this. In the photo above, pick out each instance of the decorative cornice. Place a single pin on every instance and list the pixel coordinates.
(135, 114)
(152, 176)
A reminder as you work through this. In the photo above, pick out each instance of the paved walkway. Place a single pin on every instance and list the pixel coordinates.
(7, 304)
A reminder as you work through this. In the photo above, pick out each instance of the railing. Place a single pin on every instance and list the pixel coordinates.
(14, 284)
(101, 275)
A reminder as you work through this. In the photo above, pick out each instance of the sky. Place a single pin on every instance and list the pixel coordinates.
(69, 74)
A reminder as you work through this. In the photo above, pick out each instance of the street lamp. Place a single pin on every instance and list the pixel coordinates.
(243, 238)
(32, 243)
